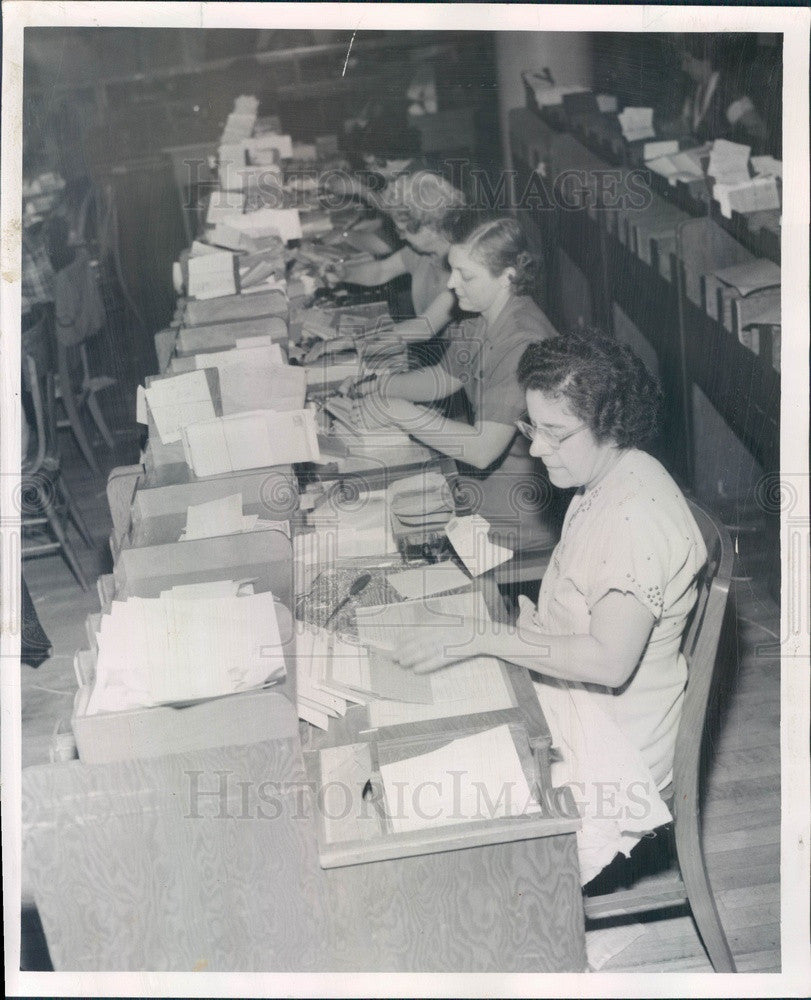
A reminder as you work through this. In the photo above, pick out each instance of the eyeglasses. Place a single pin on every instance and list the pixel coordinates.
(553, 440)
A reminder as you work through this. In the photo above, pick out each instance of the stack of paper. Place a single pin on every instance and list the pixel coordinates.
(470, 540)
(636, 124)
(176, 402)
(212, 275)
(251, 440)
(475, 778)
(224, 517)
(317, 700)
(154, 651)
(607, 104)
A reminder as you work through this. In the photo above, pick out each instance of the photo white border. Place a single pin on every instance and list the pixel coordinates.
(795, 980)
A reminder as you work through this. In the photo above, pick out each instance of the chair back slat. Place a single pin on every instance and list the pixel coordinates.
(700, 648)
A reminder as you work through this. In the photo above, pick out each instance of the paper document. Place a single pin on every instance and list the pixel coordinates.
(475, 778)
(607, 104)
(469, 538)
(250, 440)
(178, 401)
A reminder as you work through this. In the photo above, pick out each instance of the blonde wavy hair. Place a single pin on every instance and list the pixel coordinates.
(421, 199)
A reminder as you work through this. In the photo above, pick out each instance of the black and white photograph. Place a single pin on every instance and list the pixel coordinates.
(404, 499)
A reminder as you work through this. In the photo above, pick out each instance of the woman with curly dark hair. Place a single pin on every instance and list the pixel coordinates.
(492, 272)
(605, 636)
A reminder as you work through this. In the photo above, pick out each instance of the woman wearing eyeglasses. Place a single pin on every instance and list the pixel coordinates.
(419, 204)
(604, 640)
(491, 275)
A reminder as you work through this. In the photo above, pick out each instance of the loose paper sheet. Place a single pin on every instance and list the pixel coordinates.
(469, 538)
(474, 778)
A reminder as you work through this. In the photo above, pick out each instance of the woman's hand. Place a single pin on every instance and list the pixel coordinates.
(423, 651)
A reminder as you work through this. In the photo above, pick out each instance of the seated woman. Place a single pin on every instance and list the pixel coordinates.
(492, 273)
(419, 204)
(604, 639)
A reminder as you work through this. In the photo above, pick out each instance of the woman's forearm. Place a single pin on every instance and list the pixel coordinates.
(568, 657)
(425, 385)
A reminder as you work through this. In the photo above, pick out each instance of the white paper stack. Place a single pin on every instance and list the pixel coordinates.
(166, 650)
(251, 440)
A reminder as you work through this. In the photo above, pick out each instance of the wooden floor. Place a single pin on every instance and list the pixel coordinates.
(742, 813)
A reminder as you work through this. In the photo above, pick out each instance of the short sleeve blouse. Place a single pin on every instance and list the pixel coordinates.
(632, 533)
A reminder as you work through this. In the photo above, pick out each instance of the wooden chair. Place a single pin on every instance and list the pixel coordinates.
(46, 500)
(72, 396)
(690, 885)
